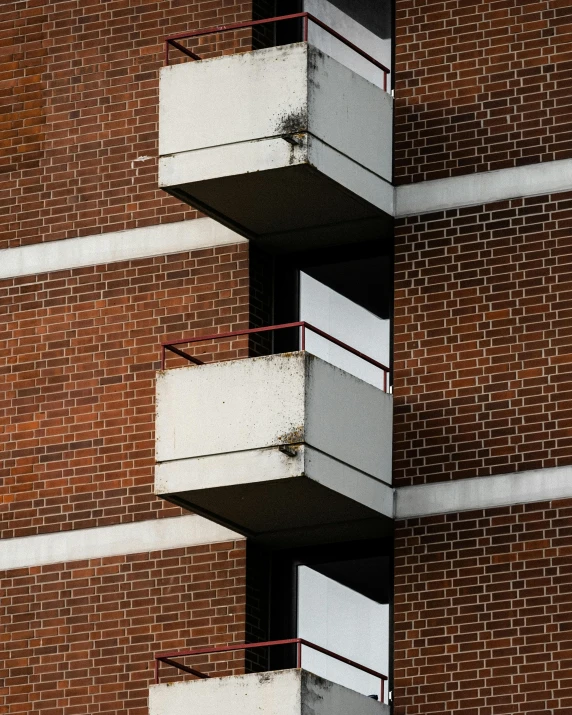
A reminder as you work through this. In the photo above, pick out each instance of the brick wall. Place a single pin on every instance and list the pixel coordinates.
(79, 350)
(483, 612)
(483, 344)
(480, 85)
(78, 142)
(80, 638)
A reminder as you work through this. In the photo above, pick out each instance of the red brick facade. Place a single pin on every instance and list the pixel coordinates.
(80, 638)
(78, 144)
(483, 612)
(80, 349)
(483, 367)
(480, 86)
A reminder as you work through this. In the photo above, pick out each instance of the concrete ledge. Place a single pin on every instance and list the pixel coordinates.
(116, 246)
(484, 492)
(485, 187)
(118, 540)
(284, 692)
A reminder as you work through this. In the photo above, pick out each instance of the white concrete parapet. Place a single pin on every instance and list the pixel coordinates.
(285, 692)
(276, 141)
(275, 444)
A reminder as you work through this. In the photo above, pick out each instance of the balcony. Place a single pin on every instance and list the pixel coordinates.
(286, 692)
(286, 449)
(284, 145)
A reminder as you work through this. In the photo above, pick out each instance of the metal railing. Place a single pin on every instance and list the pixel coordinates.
(173, 40)
(172, 346)
(167, 658)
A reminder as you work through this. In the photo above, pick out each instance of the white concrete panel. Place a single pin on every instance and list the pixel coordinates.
(230, 160)
(350, 114)
(349, 482)
(377, 190)
(345, 622)
(230, 406)
(347, 321)
(349, 419)
(223, 470)
(484, 492)
(98, 543)
(286, 692)
(485, 187)
(231, 99)
(353, 31)
(225, 117)
(103, 248)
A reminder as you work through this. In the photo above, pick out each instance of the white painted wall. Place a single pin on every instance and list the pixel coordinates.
(347, 623)
(375, 46)
(340, 317)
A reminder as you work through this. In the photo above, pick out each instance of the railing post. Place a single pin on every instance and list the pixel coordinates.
(304, 336)
(299, 654)
(384, 81)
(166, 60)
(306, 21)
(156, 671)
(382, 696)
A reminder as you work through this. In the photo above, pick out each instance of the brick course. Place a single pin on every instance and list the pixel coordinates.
(480, 85)
(483, 344)
(80, 637)
(483, 612)
(78, 141)
(79, 350)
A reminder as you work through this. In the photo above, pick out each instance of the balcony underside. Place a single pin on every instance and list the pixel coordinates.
(289, 512)
(288, 208)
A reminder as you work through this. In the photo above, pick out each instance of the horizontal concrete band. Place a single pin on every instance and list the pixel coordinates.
(118, 540)
(483, 492)
(102, 248)
(412, 200)
(550, 177)
(163, 534)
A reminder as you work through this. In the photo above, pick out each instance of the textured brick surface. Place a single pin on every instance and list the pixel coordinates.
(483, 340)
(78, 133)
(481, 85)
(483, 612)
(79, 638)
(78, 355)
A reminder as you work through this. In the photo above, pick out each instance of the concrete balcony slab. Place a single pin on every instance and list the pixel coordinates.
(284, 145)
(285, 448)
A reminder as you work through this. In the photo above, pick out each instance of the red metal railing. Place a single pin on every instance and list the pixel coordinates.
(173, 40)
(251, 331)
(167, 658)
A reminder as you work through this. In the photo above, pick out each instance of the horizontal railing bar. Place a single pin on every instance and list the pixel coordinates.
(166, 657)
(233, 26)
(250, 331)
(349, 348)
(234, 333)
(225, 648)
(171, 39)
(341, 658)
